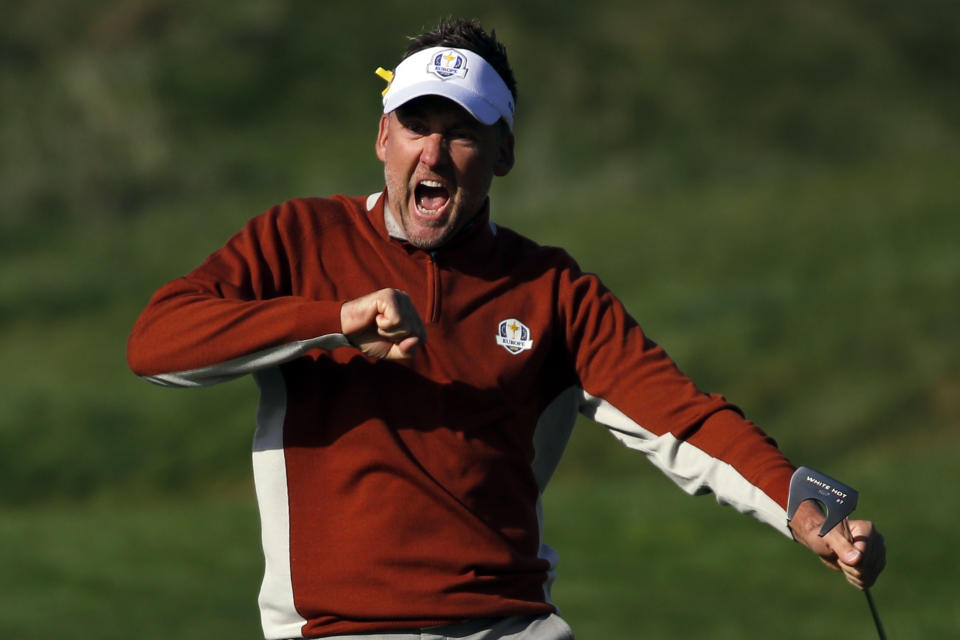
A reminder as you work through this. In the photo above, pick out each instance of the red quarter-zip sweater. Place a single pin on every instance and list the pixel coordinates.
(407, 494)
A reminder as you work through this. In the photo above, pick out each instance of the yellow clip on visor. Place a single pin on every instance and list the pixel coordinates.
(387, 75)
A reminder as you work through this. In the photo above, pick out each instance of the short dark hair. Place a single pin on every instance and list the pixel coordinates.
(462, 33)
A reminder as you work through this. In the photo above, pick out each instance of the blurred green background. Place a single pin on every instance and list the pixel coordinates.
(771, 188)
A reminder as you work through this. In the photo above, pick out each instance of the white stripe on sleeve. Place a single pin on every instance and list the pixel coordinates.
(250, 363)
(691, 468)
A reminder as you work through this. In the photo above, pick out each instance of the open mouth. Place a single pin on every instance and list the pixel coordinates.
(431, 196)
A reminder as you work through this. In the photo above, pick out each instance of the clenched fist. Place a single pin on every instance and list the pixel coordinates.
(383, 324)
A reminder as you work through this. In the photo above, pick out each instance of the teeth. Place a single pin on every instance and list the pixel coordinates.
(431, 183)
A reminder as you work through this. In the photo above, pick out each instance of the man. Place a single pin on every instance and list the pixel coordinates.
(420, 370)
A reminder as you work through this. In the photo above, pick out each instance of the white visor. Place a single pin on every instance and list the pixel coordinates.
(460, 75)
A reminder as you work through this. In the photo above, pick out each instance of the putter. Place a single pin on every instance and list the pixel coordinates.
(839, 501)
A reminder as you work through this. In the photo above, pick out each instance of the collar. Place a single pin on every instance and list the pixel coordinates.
(390, 221)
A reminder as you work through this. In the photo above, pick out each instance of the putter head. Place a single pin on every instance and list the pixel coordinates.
(837, 499)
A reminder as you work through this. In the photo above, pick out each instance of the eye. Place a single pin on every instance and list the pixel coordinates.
(462, 134)
(415, 126)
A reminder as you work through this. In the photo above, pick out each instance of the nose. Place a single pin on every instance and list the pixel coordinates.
(434, 151)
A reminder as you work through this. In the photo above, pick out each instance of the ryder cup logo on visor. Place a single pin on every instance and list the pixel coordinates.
(448, 64)
(514, 336)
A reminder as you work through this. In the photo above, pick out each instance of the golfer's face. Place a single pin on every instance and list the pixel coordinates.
(439, 162)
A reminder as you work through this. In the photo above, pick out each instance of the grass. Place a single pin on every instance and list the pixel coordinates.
(640, 559)
(149, 568)
(769, 188)
(637, 559)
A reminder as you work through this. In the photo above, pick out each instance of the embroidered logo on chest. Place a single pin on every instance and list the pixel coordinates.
(514, 336)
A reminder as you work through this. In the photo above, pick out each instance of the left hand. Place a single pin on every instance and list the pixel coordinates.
(861, 560)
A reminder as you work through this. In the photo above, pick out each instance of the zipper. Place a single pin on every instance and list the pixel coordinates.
(433, 289)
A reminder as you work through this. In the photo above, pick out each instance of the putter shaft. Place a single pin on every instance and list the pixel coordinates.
(873, 605)
(875, 614)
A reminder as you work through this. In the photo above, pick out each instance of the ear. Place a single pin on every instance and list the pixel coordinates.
(381, 143)
(505, 154)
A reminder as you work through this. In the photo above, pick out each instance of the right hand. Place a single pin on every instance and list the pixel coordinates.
(383, 324)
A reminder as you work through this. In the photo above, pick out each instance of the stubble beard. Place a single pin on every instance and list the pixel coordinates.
(400, 202)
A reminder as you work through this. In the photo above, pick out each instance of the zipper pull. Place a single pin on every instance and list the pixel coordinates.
(433, 288)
